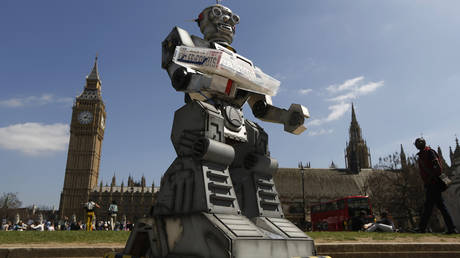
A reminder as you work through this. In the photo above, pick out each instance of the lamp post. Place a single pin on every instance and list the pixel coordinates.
(302, 171)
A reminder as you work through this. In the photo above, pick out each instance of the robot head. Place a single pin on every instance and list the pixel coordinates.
(420, 143)
(217, 23)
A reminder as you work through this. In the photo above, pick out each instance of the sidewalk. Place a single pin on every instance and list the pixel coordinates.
(335, 250)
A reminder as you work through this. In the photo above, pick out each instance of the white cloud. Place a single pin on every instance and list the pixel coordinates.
(357, 91)
(370, 87)
(35, 138)
(344, 86)
(305, 91)
(34, 101)
(315, 122)
(348, 90)
(320, 132)
(337, 111)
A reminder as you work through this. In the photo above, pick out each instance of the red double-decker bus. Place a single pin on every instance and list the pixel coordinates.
(338, 215)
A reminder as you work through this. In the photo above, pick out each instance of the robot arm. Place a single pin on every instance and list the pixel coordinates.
(293, 118)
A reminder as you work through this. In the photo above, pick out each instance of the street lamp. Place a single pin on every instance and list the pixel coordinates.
(302, 171)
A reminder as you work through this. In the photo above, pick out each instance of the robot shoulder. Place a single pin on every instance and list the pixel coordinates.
(178, 37)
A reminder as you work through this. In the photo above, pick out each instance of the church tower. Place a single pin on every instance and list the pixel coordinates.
(402, 157)
(357, 154)
(84, 154)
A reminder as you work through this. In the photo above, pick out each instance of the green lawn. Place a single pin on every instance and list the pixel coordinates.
(13, 237)
(378, 236)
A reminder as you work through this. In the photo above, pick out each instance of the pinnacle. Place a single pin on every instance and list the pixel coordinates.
(94, 75)
(353, 114)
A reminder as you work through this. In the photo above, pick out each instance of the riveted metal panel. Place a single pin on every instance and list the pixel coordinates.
(287, 227)
(239, 225)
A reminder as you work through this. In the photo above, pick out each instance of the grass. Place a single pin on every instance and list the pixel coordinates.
(377, 236)
(14, 237)
(120, 237)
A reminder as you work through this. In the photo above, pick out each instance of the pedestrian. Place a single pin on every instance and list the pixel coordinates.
(89, 207)
(113, 211)
(383, 225)
(4, 225)
(358, 222)
(430, 169)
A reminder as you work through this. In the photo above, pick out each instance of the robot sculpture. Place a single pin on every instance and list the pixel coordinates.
(218, 198)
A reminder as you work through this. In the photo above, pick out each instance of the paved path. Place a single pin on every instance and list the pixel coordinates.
(376, 249)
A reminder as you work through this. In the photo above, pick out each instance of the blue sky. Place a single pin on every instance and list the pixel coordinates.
(397, 61)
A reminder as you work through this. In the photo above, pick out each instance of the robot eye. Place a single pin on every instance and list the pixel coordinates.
(235, 18)
(216, 11)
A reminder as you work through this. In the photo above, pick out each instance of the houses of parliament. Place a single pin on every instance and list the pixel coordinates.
(135, 199)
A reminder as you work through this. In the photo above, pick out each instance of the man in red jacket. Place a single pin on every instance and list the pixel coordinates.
(430, 169)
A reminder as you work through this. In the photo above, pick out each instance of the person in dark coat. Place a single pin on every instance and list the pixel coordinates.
(430, 169)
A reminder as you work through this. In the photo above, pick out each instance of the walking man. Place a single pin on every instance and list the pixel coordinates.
(89, 206)
(430, 170)
(113, 211)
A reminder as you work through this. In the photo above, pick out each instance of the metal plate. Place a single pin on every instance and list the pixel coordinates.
(287, 227)
(239, 225)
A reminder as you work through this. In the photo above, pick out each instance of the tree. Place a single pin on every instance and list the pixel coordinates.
(10, 201)
(397, 190)
(390, 162)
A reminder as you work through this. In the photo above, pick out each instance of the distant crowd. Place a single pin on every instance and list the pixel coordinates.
(32, 225)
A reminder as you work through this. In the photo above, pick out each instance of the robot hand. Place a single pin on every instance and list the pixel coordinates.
(294, 119)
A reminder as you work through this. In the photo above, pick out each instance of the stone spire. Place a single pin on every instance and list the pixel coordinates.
(113, 180)
(93, 82)
(355, 129)
(92, 89)
(94, 75)
(143, 181)
(130, 181)
(451, 155)
(353, 114)
(402, 157)
(332, 165)
(455, 157)
(357, 153)
(441, 159)
(100, 187)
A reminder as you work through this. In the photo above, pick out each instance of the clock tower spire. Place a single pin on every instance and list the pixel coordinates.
(86, 134)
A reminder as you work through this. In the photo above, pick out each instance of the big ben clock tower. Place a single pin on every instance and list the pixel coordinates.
(84, 155)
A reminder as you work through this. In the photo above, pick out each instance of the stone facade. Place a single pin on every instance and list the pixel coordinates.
(452, 194)
(134, 200)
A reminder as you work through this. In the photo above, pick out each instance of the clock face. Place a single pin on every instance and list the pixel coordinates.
(85, 117)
